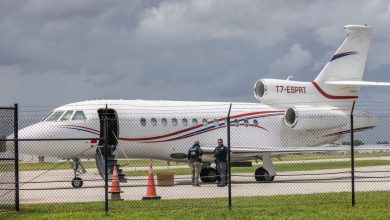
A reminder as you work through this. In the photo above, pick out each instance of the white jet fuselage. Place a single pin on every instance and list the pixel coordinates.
(162, 129)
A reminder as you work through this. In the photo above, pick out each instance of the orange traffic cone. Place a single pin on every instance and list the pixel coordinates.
(115, 187)
(151, 188)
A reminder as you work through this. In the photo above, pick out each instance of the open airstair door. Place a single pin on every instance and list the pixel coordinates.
(110, 117)
(112, 126)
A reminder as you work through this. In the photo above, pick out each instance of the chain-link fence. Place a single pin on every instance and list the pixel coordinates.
(8, 161)
(277, 157)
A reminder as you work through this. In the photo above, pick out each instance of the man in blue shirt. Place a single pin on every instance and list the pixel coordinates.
(220, 154)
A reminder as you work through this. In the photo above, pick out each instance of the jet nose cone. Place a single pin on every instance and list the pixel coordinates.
(35, 131)
(29, 137)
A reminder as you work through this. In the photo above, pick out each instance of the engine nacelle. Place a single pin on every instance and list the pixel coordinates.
(315, 118)
(271, 91)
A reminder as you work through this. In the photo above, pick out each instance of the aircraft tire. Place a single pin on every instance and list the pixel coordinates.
(77, 182)
(208, 175)
(262, 175)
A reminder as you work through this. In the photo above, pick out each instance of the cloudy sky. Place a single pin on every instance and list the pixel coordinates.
(57, 52)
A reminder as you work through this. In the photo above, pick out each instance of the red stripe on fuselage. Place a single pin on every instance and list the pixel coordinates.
(191, 135)
(195, 127)
(161, 136)
(253, 113)
(331, 96)
(76, 126)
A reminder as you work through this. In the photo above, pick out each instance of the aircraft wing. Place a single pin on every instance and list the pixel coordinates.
(358, 83)
(242, 153)
(326, 148)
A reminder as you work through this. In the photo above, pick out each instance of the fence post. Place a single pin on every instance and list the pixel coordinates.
(105, 161)
(229, 158)
(16, 156)
(352, 157)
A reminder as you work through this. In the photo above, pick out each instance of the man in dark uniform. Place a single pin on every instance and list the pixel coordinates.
(220, 154)
(194, 157)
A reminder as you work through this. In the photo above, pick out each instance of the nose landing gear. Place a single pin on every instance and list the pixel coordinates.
(77, 182)
(78, 168)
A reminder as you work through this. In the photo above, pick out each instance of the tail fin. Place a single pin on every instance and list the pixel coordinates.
(350, 59)
(347, 65)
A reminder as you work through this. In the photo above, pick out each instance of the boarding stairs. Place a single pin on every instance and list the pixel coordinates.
(100, 161)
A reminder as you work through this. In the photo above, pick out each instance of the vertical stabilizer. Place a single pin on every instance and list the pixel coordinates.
(347, 64)
(349, 61)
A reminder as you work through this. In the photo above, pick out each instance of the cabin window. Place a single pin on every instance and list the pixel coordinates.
(246, 122)
(79, 116)
(194, 121)
(174, 121)
(67, 116)
(216, 122)
(164, 122)
(184, 122)
(55, 116)
(154, 122)
(255, 122)
(204, 122)
(143, 121)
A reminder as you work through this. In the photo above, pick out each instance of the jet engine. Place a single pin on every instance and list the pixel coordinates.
(315, 118)
(272, 91)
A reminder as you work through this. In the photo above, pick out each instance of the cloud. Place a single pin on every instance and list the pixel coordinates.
(197, 21)
(185, 50)
(294, 60)
(47, 9)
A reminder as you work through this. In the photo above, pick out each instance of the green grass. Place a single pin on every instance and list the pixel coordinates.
(370, 205)
(328, 165)
(87, 164)
(280, 167)
(52, 166)
(319, 156)
(144, 163)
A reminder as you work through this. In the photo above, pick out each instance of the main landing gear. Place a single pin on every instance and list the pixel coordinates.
(262, 175)
(267, 172)
(208, 174)
(78, 168)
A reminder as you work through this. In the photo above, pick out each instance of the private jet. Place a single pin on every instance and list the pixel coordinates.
(292, 116)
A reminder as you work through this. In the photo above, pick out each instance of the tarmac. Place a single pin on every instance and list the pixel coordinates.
(55, 186)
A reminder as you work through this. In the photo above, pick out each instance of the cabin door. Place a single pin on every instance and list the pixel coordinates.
(112, 126)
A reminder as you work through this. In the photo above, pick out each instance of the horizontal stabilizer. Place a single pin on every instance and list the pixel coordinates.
(358, 83)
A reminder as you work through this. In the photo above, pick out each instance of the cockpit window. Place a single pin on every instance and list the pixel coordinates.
(79, 116)
(66, 116)
(55, 116)
(48, 116)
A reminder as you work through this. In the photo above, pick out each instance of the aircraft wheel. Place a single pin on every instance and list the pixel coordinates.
(77, 182)
(262, 175)
(208, 175)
